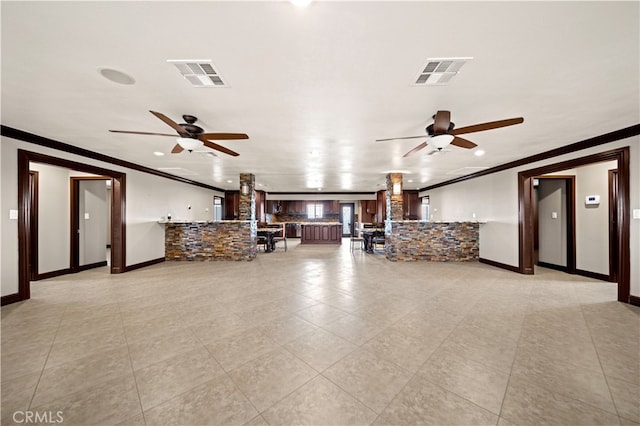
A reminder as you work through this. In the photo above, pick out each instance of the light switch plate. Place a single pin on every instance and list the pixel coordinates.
(13, 214)
(86, 216)
(636, 213)
(554, 215)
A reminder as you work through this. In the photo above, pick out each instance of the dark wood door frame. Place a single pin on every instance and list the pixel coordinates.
(34, 177)
(570, 199)
(622, 228)
(613, 223)
(118, 225)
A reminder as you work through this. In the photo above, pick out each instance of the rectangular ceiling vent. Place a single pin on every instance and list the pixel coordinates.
(199, 72)
(438, 71)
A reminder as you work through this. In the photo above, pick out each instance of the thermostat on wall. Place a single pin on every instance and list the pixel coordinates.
(592, 199)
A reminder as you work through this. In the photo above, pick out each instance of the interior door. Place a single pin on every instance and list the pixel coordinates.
(346, 217)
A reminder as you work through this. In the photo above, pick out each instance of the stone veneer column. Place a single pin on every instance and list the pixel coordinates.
(247, 204)
(394, 201)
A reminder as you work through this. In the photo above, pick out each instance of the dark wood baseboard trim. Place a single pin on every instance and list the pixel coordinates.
(595, 275)
(92, 266)
(555, 267)
(52, 274)
(634, 300)
(500, 265)
(10, 298)
(144, 264)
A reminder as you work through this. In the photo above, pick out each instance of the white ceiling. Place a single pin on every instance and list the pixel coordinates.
(314, 87)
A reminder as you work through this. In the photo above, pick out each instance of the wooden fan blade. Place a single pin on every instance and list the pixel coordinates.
(394, 139)
(171, 123)
(142, 133)
(487, 126)
(416, 149)
(441, 122)
(463, 143)
(219, 148)
(222, 136)
(177, 149)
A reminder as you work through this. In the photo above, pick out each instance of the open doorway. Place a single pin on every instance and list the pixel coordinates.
(90, 217)
(554, 211)
(621, 200)
(27, 227)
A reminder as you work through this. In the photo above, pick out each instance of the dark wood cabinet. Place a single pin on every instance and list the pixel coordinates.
(261, 206)
(381, 211)
(296, 207)
(321, 234)
(231, 205)
(273, 207)
(411, 205)
(332, 207)
(290, 230)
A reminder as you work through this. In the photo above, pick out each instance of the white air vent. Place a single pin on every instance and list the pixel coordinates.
(438, 71)
(199, 72)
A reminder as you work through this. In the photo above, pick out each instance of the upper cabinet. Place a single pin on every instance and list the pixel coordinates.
(231, 205)
(410, 205)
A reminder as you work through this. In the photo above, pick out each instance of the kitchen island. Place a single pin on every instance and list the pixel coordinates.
(321, 233)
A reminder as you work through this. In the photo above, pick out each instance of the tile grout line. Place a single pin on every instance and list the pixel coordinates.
(133, 373)
(44, 365)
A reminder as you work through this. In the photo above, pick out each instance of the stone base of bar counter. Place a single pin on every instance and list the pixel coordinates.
(432, 241)
(206, 240)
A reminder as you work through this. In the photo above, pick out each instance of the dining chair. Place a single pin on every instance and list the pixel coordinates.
(356, 237)
(282, 237)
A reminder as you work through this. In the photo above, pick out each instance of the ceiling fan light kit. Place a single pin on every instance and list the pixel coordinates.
(189, 144)
(191, 136)
(443, 132)
(440, 141)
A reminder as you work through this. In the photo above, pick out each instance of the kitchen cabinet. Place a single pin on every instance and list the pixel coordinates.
(321, 233)
(231, 205)
(296, 207)
(411, 205)
(381, 210)
(332, 207)
(260, 206)
(273, 207)
(291, 230)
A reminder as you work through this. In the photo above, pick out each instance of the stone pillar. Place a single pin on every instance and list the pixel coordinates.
(247, 204)
(394, 200)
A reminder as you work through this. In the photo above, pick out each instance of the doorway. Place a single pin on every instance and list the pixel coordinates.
(346, 217)
(25, 209)
(554, 211)
(90, 216)
(526, 220)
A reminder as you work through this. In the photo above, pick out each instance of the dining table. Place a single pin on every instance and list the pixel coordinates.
(269, 233)
(368, 234)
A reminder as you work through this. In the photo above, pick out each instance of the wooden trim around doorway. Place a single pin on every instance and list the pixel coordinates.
(118, 225)
(526, 219)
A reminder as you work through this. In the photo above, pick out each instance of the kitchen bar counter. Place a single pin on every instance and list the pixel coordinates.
(321, 233)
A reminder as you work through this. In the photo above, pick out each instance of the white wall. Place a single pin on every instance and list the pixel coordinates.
(494, 198)
(93, 216)
(148, 198)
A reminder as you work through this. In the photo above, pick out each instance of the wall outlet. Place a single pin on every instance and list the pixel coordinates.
(86, 216)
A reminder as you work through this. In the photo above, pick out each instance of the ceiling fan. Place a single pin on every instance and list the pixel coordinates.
(442, 132)
(191, 136)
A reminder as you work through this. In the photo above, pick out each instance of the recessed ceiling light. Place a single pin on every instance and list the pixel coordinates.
(158, 153)
(410, 181)
(116, 76)
(478, 153)
(229, 181)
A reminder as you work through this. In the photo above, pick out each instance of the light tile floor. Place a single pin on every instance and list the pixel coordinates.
(322, 336)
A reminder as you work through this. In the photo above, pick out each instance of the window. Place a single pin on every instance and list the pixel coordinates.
(314, 211)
